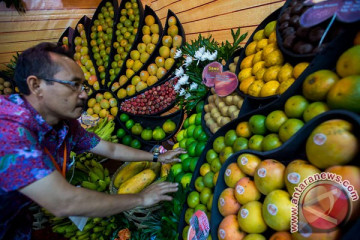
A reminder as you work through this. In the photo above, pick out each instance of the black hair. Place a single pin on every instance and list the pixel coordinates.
(37, 61)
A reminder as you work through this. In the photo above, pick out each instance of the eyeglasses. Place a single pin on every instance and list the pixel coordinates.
(75, 86)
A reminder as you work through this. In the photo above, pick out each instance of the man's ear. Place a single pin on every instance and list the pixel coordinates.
(34, 85)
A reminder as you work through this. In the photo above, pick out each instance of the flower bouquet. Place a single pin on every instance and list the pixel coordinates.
(196, 55)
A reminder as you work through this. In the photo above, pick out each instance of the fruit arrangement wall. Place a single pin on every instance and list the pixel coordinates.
(52, 17)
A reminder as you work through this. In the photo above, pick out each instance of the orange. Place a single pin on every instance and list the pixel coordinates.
(289, 128)
(314, 109)
(257, 124)
(245, 84)
(348, 62)
(219, 144)
(255, 142)
(345, 94)
(299, 68)
(227, 203)
(211, 155)
(248, 162)
(317, 85)
(246, 191)
(204, 169)
(295, 106)
(215, 165)
(275, 119)
(193, 199)
(269, 89)
(270, 142)
(230, 137)
(173, 30)
(331, 143)
(243, 130)
(199, 183)
(209, 179)
(239, 144)
(225, 154)
(205, 195)
(229, 229)
(232, 175)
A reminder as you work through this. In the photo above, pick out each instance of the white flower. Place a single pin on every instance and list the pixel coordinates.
(187, 95)
(213, 56)
(177, 87)
(199, 53)
(205, 56)
(178, 53)
(179, 72)
(188, 61)
(183, 80)
(193, 86)
(182, 92)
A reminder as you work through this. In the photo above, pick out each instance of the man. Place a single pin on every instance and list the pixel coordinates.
(38, 129)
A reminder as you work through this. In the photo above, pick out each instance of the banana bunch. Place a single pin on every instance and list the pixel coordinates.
(86, 156)
(104, 130)
(95, 228)
(98, 176)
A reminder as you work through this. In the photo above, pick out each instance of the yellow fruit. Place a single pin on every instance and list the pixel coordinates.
(250, 218)
(152, 69)
(317, 85)
(243, 130)
(129, 170)
(144, 75)
(269, 28)
(245, 73)
(160, 61)
(160, 72)
(169, 63)
(149, 20)
(146, 30)
(154, 29)
(227, 203)
(245, 84)
(269, 89)
(261, 44)
(130, 90)
(257, 66)
(96, 108)
(272, 37)
(129, 73)
(167, 41)
(137, 182)
(140, 86)
(173, 30)
(155, 38)
(172, 21)
(135, 80)
(268, 49)
(259, 35)
(257, 57)
(349, 62)
(107, 95)
(255, 88)
(251, 48)
(164, 51)
(285, 85)
(151, 80)
(121, 93)
(91, 102)
(271, 74)
(146, 39)
(274, 58)
(259, 75)
(103, 113)
(90, 111)
(247, 62)
(285, 72)
(114, 111)
(144, 57)
(299, 68)
(177, 41)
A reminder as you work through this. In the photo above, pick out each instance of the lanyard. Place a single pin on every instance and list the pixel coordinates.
(55, 163)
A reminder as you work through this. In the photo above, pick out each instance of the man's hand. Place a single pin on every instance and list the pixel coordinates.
(171, 156)
(157, 192)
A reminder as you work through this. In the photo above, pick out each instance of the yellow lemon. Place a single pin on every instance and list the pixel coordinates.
(251, 48)
(245, 84)
(269, 88)
(260, 74)
(257, 66)
(257, 57)
(274, 58)
(255, 88)
(245, 73)
(271, 73)
(261, 44)
(285, 72)
(247, 62)
(285, 85)
(259, 35)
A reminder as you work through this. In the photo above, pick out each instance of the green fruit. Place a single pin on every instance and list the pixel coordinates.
(208, 179)
(136, 129)
(129, 124)
(146, 134)
(120, 133)
(186, 164)
(186, 123)
(203, 137)
(197, 132)
(198, 119)
(189, 141)
(176, 169)
(183, 156)
(191, 149)
(230, 137)
(135, 144)
(211, 155)
(179, 177)
(239, 144)
(124, 117)
(257, 124)
(193, 163)
(126, 140)
(199, 148)
(190, 131)
(200, 106)
(158, 134)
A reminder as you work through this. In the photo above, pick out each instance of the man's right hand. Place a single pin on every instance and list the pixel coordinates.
(157, 192)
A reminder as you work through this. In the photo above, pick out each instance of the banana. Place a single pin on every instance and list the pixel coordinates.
(89, 185)
(89, 225)
(85, 236)
(93, 177)
(96, 220)
(71, 229)
(106, 172)
(101, 186)
(98, 229)
(99, 172)
(81, 167)
(95, 236)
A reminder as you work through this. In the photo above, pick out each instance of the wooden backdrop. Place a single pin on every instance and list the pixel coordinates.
(45, 20)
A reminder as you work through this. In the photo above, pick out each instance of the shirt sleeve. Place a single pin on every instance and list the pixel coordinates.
(22, 160)
(81, 140)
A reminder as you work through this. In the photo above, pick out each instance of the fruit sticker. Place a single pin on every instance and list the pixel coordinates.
(272, 209)
(222, 202)
(225, 83)
(262, 172)
(319, 139)
(222, 233)
(209, 73)
(228, 172)
(240, 189)
(244, 161)
(293, 178)
(244, 213)
(199, 226)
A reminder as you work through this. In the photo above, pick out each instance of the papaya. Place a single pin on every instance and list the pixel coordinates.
(138, 182)
(128, 171)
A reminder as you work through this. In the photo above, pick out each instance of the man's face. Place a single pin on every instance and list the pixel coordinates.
(61, 100)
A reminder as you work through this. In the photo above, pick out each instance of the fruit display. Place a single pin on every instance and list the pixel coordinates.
(152, 129)
(254, 189)
(101, 36)
(66, 38)
(153, 101)
(5, 86)
(81, 54)
(125, 34)
(302, 41)
(104, 129)
(140, 52)
(264, 71)
(163, 61)
(221, 110)
(102, 104)
(233, 64)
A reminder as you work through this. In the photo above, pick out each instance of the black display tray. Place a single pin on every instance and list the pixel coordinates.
(154, 121)
(69, 32)
(289, 151)
(134, 44)
(95, 17)
(156, 54)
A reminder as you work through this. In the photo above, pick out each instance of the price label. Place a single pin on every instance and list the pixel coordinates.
(199, 226)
